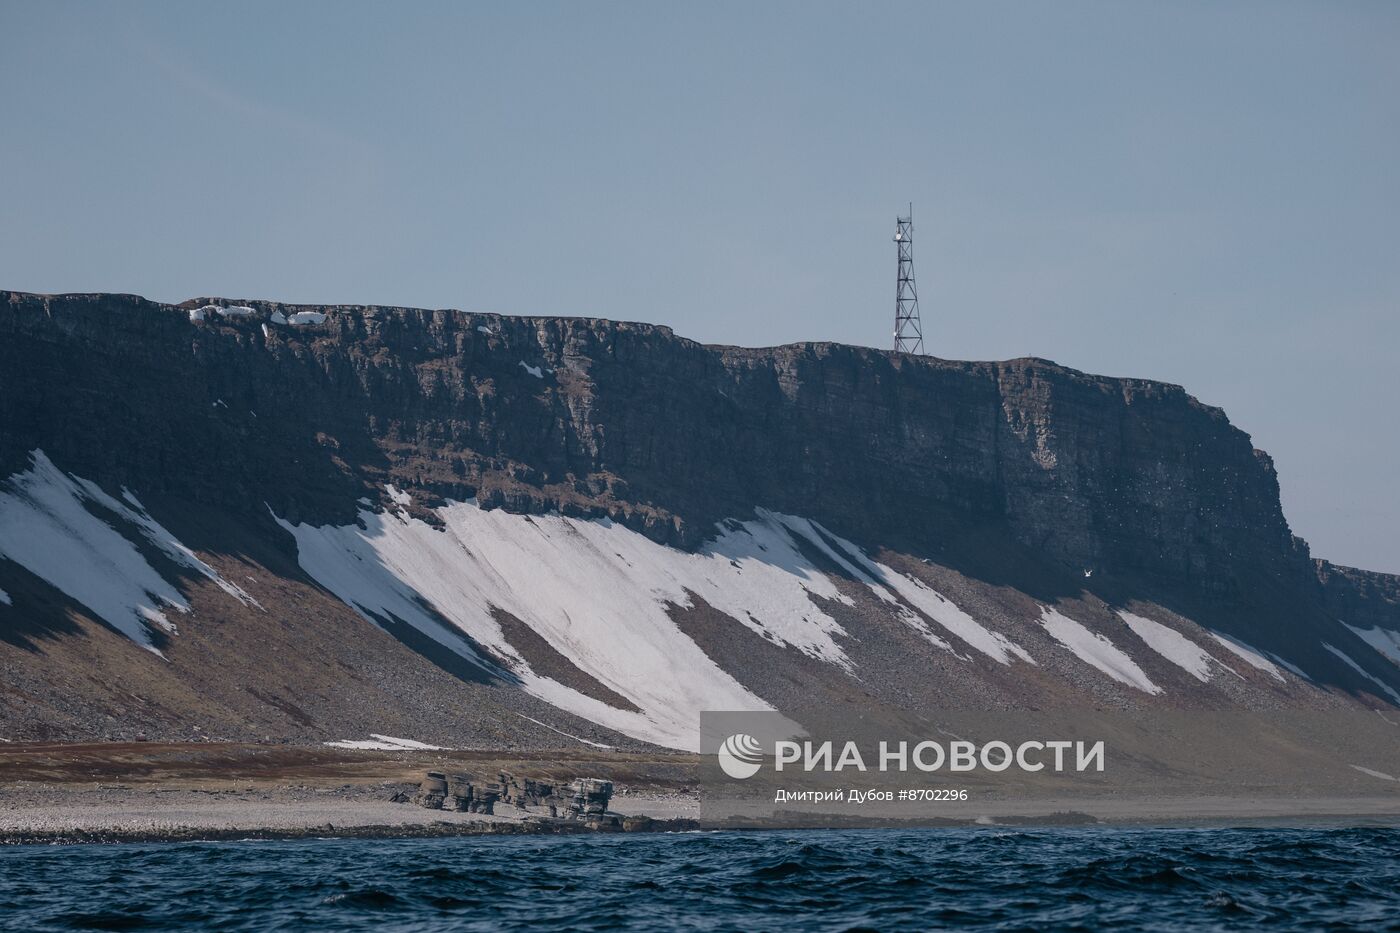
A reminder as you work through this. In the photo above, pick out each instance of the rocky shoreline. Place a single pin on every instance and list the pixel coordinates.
(39, 814)
(65, 794)
(76, 815)
(114, 835)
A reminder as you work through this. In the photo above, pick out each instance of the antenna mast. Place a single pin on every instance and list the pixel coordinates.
(908, 332)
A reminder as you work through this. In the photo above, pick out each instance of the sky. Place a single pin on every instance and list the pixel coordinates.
(1202, 193)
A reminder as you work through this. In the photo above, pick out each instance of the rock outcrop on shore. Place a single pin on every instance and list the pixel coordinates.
(326, 522)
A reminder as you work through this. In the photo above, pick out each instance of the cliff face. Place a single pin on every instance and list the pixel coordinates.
(668, 436)
(328, 522)
(1363, 598)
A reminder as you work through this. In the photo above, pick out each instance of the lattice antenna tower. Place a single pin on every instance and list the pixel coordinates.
(908, 331)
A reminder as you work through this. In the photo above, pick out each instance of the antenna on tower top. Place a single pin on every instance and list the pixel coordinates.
(908, 332)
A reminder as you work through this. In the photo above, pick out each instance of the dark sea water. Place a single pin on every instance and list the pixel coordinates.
(840, 880)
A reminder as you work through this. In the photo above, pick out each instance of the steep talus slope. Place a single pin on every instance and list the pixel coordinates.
(776, 522)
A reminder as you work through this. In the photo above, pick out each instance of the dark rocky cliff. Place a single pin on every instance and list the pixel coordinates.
(629, 420)
(1361, 597)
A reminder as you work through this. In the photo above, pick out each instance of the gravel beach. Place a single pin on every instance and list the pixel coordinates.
(73, 813)
(149, 791)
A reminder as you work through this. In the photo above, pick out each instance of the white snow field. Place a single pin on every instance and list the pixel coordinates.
(386, 743)
(1346, 659)
(1174, 646)
(599, 594)
(1249, 655)
(1376, 774)
(1095, 650)
(1383, 640)
(49, 524)
(882, 580)
(5, 598)
(563, 733)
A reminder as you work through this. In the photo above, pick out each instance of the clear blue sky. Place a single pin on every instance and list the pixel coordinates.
(1205, 193)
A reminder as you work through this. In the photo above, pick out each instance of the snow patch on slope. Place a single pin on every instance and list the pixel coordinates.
(1095, 650)
(891, 586)
(565, 734)
(48, 527)
(933, 604)
(600, 594)
(1386, 642)
(386, 743)
(5, 598)
(1346, 659)
(1172, 645)
(809, 531)
(1249, 655)
(532, 370)
(595, 591)
(1376, 774)
(168, 544)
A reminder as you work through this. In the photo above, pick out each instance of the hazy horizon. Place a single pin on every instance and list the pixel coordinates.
(1203, 194)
